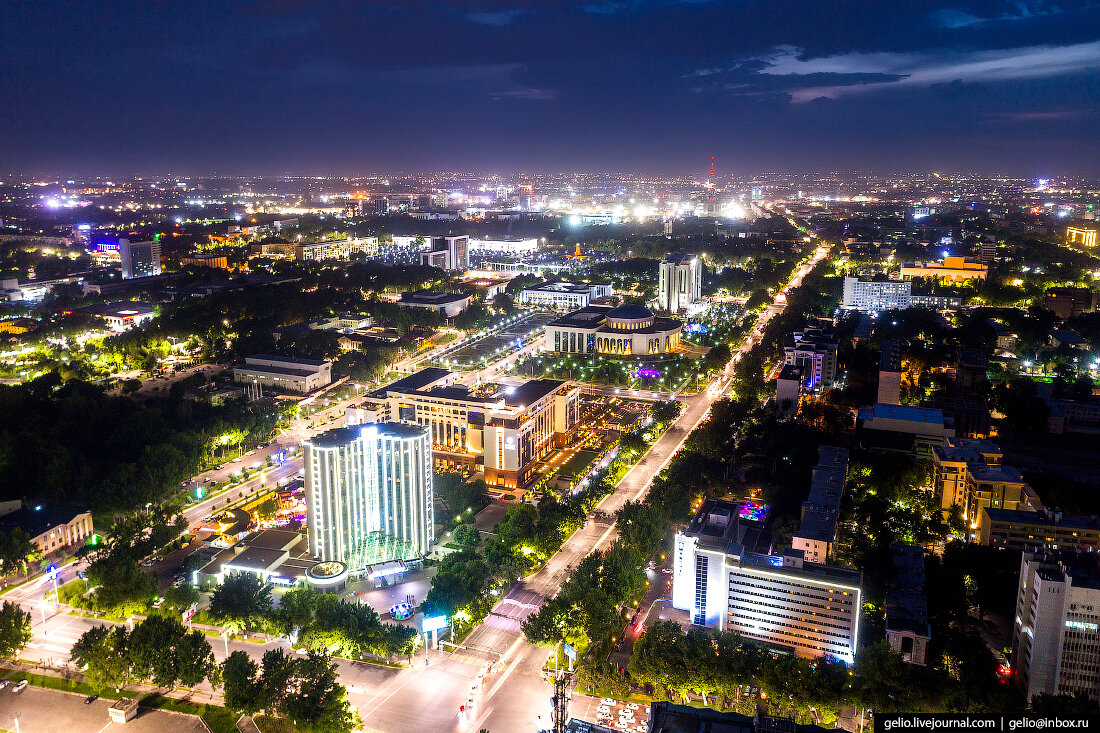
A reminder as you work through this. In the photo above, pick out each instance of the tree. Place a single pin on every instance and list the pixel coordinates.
(320, 703)
(164, 653)
(122, 587)
(101, 652)
(181, 596)
(241, 686)
(16, 552)
(467, 534)
(276, 678)
(461, 578)
(15, 629)
(242, 599)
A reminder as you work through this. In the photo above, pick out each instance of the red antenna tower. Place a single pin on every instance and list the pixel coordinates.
(711, 197)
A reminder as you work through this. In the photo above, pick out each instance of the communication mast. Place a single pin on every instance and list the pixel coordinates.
(561, 703)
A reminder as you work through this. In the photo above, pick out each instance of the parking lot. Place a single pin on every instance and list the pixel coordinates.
(614, 714)
(39, 710)
(499, 344)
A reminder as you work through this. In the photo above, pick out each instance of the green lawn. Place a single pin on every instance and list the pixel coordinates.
(576, 465)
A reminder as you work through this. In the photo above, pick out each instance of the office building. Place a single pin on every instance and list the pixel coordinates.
(889, 373)
(139, 259)
(971, 474)
(447, 253)
(904, 429)
(907, 629)
(936, 302)
(784, 602)
(205, 259)
(50, 527)
(821, 510)
(874, 296)
(626, 330)
(504, 431)
(1041, 528)
(448, 304)
(284, 373)
(952, 269)
(814, 349)
(336, 249)
(369, 494)
(1067, 302)
(1056, 635)
(679, 283)
(1084, 237)
(563, 295)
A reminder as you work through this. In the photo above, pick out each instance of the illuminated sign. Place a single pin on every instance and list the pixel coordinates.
(433, 623)
(1081, 625)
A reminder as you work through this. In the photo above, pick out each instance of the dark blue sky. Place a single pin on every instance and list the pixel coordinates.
(640, 85)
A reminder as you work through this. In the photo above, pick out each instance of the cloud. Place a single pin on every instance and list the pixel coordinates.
(496, 17)
(926, 68)
(1020, 10)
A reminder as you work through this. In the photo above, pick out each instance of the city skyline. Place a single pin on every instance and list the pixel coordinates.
(631, 86)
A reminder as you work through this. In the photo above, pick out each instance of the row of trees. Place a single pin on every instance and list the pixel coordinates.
(318, 621)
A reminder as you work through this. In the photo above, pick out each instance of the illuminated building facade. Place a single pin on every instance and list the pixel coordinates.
(783, 602)
(139, 259)
(679, 283)
(505, 431)
(1056, 635)
(628, 330)
(1084, 237)
(369, 494)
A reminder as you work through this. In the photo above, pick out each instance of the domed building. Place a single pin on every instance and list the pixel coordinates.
(627, 330)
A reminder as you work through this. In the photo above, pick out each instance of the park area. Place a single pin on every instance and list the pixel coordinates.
(498, 344)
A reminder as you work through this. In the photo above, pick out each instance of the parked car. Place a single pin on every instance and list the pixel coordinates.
(19, 686)
(90, 700)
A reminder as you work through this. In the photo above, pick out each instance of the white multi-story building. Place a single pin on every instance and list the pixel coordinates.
(873, 296)
(1056, 636)
(783, 602)
(369, 494)
(284, 373)
(336, 249)
(446, 253)
(508, 246)
(505, 431)
(563, 295)
(139, 259)
(680, 282)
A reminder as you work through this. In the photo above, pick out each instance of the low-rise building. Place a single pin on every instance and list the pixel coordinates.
(336, 249)
(902, 428)
(907, 629)
(626, 330)
(276, 556)
(1026, 529)
(1067, 302)
(821, 510)
(284, 373)
(121, 316)
(562, 295)
(952, 269)
(205, 259)
(507, 246)
(51, 527)
(936, 302)
(448, 304)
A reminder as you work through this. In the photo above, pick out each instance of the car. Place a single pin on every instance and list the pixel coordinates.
(20, 686)
(3, 684)
(90, 700)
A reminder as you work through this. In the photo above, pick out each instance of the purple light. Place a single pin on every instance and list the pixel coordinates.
(647, 373)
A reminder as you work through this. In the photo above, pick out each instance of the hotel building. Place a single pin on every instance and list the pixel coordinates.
(369, 494)
(783, 602)
(679, 282)
(504, 431)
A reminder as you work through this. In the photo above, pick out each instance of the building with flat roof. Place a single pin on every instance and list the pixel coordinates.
(889, 373)
(121, 316)
(1056, 635)
(679, 282)
(821, 510)
(952, 269)
(1067, 302)
(814, 349)
(504, 431)
(907, 629)
(507, 246)
(369, 494)
(336, 249)
(205, 259)
(970, 474)
(1038, 529)
(902, 428)
(1082, 236)
(448, 304)
(139, 259)
(276, 556)
(784, 602)
(667, 717)
(562, 295)
(626, 330)
(284, 373)
(874, 296)
(51, 527)
(788, 389)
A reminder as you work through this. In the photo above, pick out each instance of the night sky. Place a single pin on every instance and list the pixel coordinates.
(318, 87)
